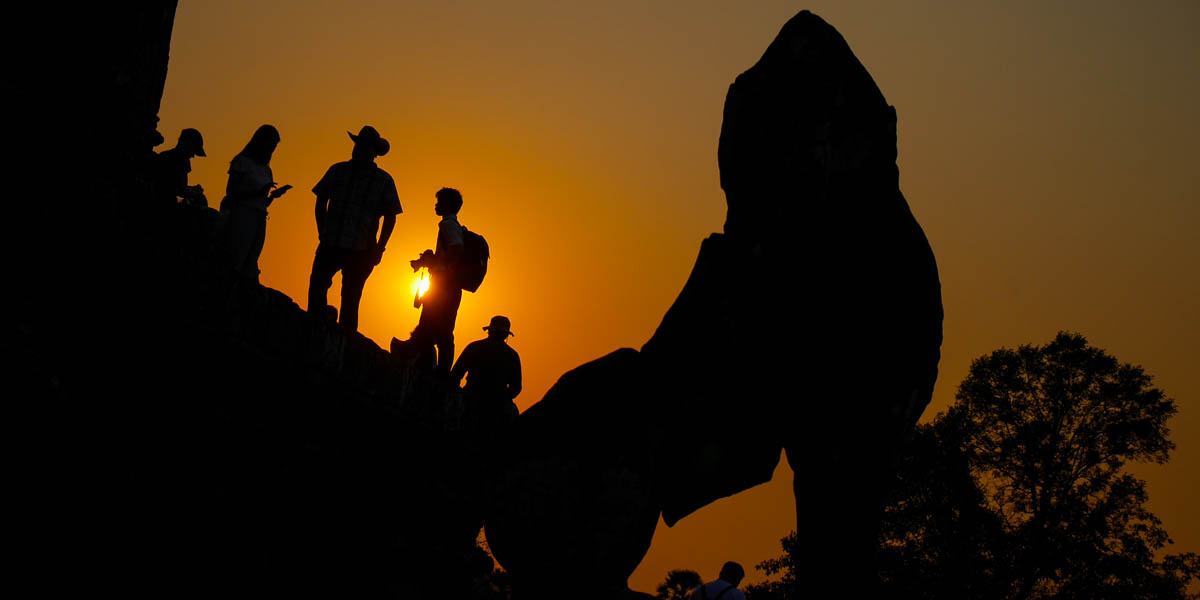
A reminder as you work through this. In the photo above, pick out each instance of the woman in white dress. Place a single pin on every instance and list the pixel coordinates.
(250, 190)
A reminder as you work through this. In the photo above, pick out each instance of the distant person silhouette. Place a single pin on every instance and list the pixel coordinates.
(439, 305)
(171, 168)
(250, 190)
(493, 371)
(724, 587)
(351, 198)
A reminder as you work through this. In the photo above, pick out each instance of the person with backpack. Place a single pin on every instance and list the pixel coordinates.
(724, 587)
(439, 305)
(352, 197)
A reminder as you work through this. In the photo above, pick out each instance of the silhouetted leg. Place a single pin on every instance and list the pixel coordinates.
(842, 474)
(829, 512)
(247, 230)
(448, 314)
(324, 266)
(354, 277)
(256, 246)
(420, 344)
(445, 353)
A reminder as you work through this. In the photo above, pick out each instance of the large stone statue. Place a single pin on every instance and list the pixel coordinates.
(828, 350)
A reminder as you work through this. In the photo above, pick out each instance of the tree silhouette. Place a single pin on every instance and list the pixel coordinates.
(785, 567)
(1020, 489)
(497, 585)
(938, 540)
(678, 584)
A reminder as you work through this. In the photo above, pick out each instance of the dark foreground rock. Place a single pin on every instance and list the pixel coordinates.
(186, 433)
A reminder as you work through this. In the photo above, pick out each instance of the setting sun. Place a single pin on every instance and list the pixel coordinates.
(420, 283)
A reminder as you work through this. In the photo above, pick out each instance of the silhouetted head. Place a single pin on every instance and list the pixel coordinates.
(262, 145)
(732, 572)
(499, 328)
(449, 202)
(368, 144)
(806, 133)
(191, 142)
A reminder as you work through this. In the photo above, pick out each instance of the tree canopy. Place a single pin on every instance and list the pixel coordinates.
(1020, 490)
(678, 584)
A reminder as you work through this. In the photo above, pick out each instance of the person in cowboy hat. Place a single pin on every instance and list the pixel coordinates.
(351, 199)
(493, 371)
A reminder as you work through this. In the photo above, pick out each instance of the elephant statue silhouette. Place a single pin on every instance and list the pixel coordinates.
(828, 351)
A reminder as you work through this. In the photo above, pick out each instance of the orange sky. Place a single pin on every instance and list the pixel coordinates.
(1048, 149)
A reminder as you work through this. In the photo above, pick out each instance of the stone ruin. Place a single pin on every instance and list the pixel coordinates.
(829, 350)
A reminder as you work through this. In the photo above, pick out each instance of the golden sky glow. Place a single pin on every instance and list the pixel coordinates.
(1047, 148)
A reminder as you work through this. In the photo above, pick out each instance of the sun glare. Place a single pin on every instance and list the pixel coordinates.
(420, 283)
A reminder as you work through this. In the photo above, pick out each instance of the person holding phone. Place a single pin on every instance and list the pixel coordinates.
(250, 190)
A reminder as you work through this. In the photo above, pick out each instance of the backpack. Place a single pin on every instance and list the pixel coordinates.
(472, 266)
(704, 592)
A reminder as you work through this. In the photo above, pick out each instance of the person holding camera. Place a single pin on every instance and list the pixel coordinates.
(439, 305)
(351, 198)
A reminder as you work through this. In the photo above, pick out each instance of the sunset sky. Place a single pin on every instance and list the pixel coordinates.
(1047, 148)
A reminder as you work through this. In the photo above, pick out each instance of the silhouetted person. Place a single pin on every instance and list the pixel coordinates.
(351, 199)
(724, 587)
(171, 168)
(493, 371)
(250, 190)
(439, 305)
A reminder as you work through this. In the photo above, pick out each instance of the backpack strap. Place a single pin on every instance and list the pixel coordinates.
(731, 586)
(704, 591)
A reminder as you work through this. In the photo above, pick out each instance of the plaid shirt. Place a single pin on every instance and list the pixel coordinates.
(358, 197)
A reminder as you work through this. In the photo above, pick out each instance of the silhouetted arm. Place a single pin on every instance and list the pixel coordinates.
(448, 257)
(460, 366)
(448, 249)
(322, 210)
(385, 231)
(324, 195)
(390, 207)
(234, 184)
(180, 184)
(389, 223)
(514, 382)
(276, 193)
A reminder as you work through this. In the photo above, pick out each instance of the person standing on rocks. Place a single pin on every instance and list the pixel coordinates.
(352, 197)
(250, 190)
(439, 305)
(493, 371)
(171, 168)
